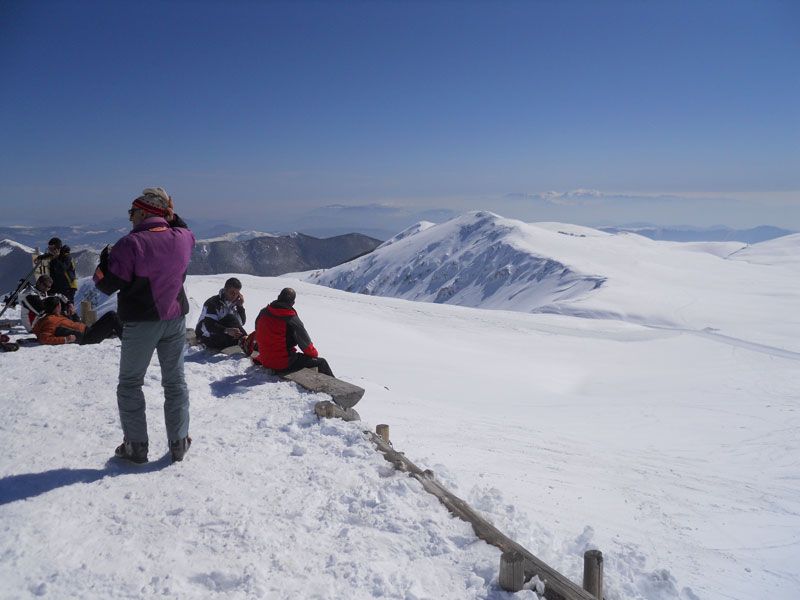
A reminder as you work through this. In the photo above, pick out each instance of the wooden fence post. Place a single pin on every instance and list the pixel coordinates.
(512, 571)
(383, 431)
(88, 314)
(593, 573)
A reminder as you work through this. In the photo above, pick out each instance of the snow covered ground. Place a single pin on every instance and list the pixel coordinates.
(673, 449)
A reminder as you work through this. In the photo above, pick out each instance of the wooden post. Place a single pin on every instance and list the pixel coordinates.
(383, 431)
(88, 314)
(86, 306)
(593, 573)
(512, 571)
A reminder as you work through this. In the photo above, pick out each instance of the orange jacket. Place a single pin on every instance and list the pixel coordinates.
(45, 328)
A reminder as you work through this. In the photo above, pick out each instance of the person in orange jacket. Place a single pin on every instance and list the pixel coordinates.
(54, 328)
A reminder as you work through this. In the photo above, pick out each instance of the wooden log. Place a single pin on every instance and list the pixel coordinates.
(512, 571)
(383, 431)
(557, 587)
(343, 393)
(593, 573)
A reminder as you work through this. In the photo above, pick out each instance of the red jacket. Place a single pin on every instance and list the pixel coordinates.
(278, 331)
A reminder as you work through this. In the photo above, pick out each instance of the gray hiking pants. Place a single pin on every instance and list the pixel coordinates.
(139, 340)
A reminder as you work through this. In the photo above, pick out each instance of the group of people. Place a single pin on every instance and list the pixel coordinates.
(148, 268)
(47, 308)
(57, 263)
(278, 332)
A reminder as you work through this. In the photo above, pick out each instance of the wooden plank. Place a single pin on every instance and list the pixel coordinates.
(557, 587)
(343, 393)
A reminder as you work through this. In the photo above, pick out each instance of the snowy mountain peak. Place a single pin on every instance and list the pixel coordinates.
(476, 259)
(7, 246)
(409, 231)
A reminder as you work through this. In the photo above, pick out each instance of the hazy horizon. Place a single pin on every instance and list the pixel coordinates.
(583, 112)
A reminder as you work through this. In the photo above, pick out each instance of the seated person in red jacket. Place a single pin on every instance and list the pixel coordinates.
(278, 331)
(55, 328)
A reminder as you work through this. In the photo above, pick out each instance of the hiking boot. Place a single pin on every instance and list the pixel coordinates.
(178, 449)
(133, 451)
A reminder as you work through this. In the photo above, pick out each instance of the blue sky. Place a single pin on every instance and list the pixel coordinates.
(259, 113)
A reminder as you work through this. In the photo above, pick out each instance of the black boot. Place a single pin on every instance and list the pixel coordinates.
(133, 451)
(178, 449)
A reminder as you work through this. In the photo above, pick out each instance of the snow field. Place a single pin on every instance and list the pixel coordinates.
(269, 502)
(672, 451)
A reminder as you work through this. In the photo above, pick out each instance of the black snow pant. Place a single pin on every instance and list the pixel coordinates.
(301, 361)
(106, 326)
(218, 341)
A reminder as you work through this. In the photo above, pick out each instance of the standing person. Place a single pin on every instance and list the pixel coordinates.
(43, 260)
(278, 331)
(148, 267)
(62, 270)
(221, 322)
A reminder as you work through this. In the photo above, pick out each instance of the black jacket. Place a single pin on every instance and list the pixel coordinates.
(214, 310)
(62, 270)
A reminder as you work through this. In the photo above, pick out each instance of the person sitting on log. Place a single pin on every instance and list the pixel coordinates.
(222, 319)
(54, 328)
(278, 331)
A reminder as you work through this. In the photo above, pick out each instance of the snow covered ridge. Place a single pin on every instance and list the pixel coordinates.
(478, 259)
(7, 246)
(416, 228)
(781, 251)
(239, 236)
(482, 260)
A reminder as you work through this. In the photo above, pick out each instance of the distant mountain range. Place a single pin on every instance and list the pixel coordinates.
(276, 255)
(753, 235)
(252, 253)
(80, 237)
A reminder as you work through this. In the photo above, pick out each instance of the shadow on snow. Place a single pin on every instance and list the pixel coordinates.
(240, 382)
(30, 485)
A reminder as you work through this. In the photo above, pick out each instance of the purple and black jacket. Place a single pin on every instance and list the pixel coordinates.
(148, 267)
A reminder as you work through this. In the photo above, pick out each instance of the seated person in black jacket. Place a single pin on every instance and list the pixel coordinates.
(222, 319)
(32, 300)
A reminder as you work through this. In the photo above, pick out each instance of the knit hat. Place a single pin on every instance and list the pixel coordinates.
(155, 201)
